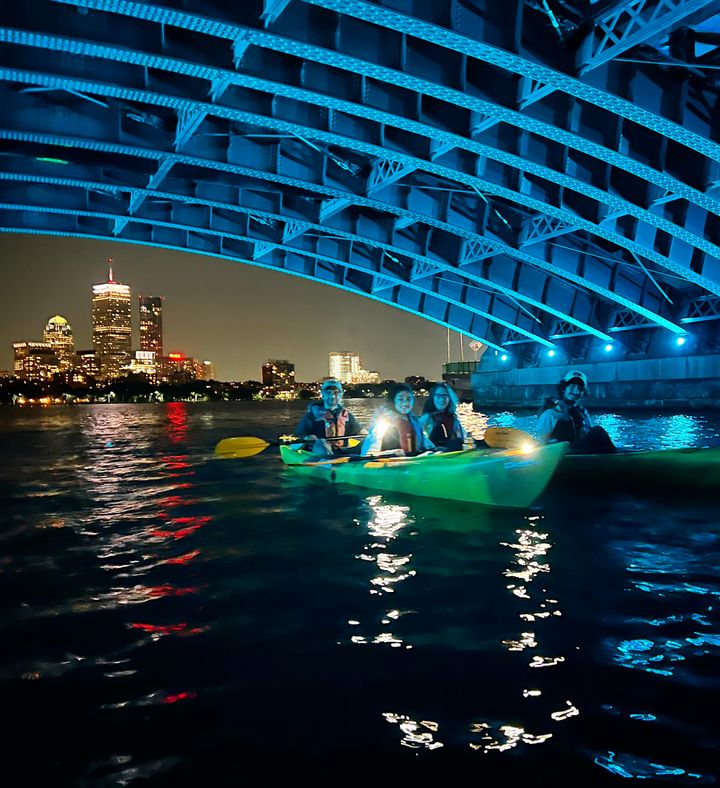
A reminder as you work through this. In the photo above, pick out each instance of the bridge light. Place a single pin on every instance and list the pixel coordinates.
(680, 341)
(503, 357)
(551, 353)
(608, 348)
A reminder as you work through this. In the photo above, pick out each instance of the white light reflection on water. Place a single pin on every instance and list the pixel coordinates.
(529, 563)
(141, 488)
(507, 737)
(417, 734)
(474, 423)
(678, 431)
(384, 525)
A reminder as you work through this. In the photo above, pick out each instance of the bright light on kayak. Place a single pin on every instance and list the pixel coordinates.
(382, 428)
(527, 448)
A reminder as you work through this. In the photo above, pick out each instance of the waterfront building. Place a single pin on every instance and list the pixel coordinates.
(86, 365)
(366, 376)
(279, 375)
(58, 334)
(347, 368)
(179, 368)
(35, 360)
(208, 370)
(343, 365)
(112, 326)
(151, 328)
(143, 362)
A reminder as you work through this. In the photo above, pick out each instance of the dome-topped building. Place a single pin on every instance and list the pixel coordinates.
(58, 333)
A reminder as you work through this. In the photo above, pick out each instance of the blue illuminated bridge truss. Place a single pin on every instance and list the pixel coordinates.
(532, 173)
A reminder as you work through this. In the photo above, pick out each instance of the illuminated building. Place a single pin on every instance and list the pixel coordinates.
(86, 364)
(342, 365)
(346, 367)
(151, 330)
(209, 370)
(58, 334)
(35, 360)
(279, 375)
(143, 362)
(366, 376)
(179, 368)
(112, 328)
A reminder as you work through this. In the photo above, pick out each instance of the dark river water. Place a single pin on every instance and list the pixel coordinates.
(167, 618)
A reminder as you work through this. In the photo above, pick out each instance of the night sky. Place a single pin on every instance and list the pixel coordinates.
(235, 315)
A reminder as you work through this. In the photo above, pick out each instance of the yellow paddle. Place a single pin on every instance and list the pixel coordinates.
(240, 448)
(508, 438)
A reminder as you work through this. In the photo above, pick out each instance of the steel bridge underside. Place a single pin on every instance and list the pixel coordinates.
(535, 175)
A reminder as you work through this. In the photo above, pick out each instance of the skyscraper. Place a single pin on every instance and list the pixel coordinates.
(112, 327)
(346, 367)
(58, 334)
(343, 365)
(151, 332)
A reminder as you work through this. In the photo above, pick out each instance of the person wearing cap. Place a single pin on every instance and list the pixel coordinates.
(328, 418)
(565, 419)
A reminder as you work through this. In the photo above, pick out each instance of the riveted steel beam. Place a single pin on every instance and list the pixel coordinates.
(501, 248)
(303, 132)
(421, 267)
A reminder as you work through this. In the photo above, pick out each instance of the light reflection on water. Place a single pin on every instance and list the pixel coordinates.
(146, 586)
(671, 431)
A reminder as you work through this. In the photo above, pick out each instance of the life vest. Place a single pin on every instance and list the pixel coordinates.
(445, 427)
(404, 433)
(573, 423)
(326, 423)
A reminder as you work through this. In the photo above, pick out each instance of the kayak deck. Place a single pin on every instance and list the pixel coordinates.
(691, 469)
(507, 478)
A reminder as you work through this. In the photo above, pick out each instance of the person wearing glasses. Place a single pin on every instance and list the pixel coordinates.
(439, 419)
(396, 428)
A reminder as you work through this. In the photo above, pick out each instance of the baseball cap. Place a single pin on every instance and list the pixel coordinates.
(575, 374)
(332, 383)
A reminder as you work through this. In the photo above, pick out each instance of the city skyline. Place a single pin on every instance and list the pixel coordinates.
(211, 308)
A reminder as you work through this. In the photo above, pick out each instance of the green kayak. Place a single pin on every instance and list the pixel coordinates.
(511, 478)
(643, 471)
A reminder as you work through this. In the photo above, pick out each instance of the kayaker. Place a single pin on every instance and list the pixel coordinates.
(396, 427)
(439, 418)
(565, 419)
(328, 418)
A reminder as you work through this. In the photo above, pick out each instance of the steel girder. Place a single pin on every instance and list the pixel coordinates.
(408, 184)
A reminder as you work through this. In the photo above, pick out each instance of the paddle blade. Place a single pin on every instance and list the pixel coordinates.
(508, 438)
(237, 448)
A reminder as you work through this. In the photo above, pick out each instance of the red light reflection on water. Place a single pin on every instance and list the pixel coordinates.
(182, 559)
(176, 462)
(169, 590)
(167, 629)
(177, 418)
(191, 524)
(180, 696)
